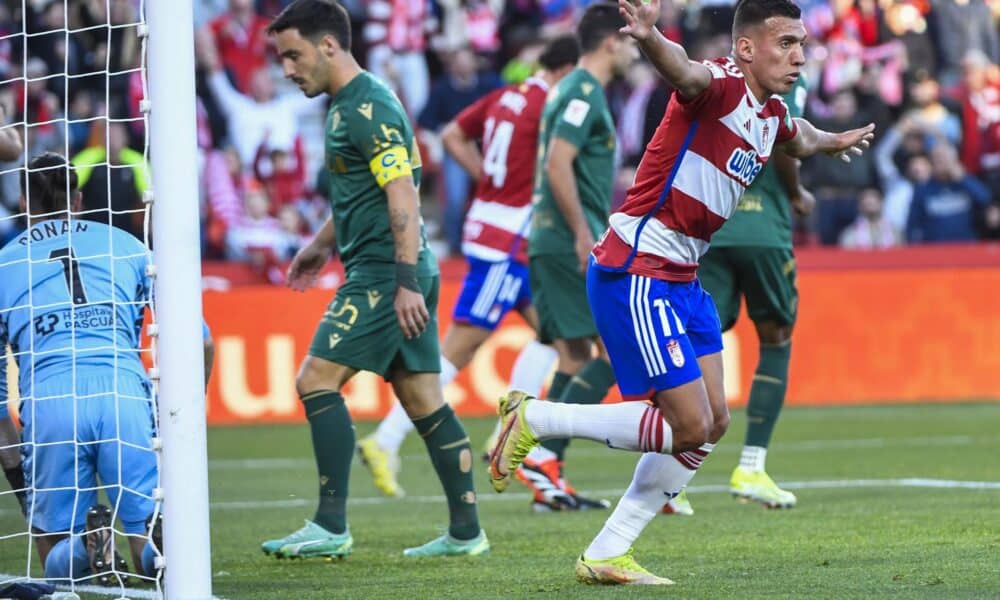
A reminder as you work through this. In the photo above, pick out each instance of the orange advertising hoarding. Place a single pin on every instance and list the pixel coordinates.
(864, 335)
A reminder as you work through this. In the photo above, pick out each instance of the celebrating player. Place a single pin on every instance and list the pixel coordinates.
(506, 121)
(660, 327)
(751, 256)
(72, 294)
(383, 317)
(572, 197)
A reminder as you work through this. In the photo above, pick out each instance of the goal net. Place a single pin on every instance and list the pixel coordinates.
(79, 293)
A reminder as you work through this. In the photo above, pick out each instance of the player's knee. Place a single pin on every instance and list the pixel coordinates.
(313, 376)
(720, 423)
(691, 432)
(773, 333)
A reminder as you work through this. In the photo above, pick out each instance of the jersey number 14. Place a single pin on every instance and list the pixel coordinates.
(497, 144)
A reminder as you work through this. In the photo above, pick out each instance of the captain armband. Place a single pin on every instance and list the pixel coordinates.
(391, 165)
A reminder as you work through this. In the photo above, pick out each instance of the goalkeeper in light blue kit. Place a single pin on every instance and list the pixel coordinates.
(72, 295)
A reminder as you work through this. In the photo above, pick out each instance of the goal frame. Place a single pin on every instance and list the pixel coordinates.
(177, 299)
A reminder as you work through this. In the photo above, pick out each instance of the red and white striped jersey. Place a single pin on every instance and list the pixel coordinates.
(704, 154)
(506, 120)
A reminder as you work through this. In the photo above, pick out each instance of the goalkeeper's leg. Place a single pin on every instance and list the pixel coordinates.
(10, 456)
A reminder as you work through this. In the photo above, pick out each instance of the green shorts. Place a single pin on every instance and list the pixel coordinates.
(559, 293)
(764, 275)
(360, 330)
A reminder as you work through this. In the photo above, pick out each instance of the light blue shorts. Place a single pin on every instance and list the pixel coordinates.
(99, 437)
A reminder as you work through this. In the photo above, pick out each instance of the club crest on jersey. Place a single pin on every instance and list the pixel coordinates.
(675, 352)
(744, 165)
(764, 133)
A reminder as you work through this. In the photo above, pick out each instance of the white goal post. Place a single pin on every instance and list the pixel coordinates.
(177, 297)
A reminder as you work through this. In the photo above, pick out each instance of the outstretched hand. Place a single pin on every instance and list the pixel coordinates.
(640, 17)
(854, 141)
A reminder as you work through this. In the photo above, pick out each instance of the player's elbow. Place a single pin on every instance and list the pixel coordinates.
(452, 137)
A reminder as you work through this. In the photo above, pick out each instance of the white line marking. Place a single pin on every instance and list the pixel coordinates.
(583, 450)
(120, 592)
(821, 484)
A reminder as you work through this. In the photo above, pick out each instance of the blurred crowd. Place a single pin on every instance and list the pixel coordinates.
(925, 71)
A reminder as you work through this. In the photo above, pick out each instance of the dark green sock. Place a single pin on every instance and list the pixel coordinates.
(589, 386)
(559, 382)
(451, 455)
(333, 445)
(767, 393)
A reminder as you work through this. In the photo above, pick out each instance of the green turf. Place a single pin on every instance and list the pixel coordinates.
(852, 541)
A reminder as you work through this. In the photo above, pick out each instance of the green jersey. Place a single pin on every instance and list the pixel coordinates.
(369, 142)
(577, 112)
(763, 216)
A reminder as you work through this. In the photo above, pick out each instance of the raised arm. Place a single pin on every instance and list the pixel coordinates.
(810, 140)
(690, 78)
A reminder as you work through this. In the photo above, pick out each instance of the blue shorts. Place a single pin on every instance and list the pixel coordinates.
(654, 330)
(490, 291)
(112, 419)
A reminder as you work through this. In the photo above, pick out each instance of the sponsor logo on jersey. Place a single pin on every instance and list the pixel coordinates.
(513, 101)
(744, 165)
(675, 352)
(576, 112)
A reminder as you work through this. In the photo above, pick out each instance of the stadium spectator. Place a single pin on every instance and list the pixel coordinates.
(945, 208)
(259, 239)
(836, 184)
(871, 230)
(928, 111)
(263, 115)
(113, 178)
(396, 34)
(898, 182)
(979, 96)
(282, 173)
(239, 36)
(961, 26)
(224, 186)
(461, 86)
(40, 108)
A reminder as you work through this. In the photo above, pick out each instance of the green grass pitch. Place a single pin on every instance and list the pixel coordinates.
(878, 516)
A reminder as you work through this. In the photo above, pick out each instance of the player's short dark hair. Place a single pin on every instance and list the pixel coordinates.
(598, 22)
(755, 12)
(315, 18)
(48, 183)
(559, 52)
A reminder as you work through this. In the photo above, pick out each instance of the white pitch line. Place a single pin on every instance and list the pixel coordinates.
(821, 484)
(120, 592)
(799, 446)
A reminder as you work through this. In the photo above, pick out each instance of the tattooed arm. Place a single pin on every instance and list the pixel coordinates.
(404, 219)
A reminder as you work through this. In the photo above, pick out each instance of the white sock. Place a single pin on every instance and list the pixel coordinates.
(532, 367)
(393, 429)
(448, 372)
(753, 458)
(626, 426)
(658, 478)
(397, 425)
(541, 454)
